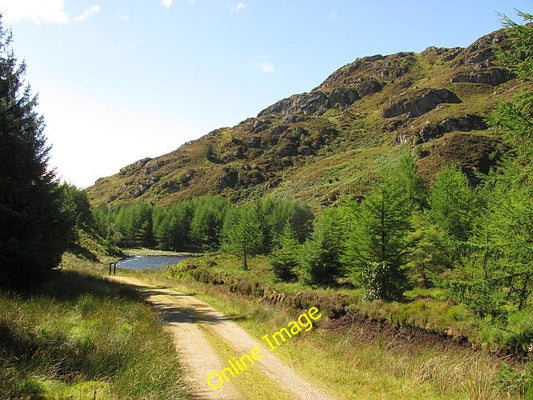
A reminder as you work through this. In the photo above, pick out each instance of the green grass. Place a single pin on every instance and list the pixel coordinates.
(83, 337)
(358, 360)
(352, 366)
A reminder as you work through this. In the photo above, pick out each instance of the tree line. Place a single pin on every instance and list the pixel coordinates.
(202, 224)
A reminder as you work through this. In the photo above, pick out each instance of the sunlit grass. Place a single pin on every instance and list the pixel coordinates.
(82, 337)
(344, 360)
(353, 368)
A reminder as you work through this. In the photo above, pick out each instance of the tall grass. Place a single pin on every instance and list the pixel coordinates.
(83, 337)
(357, 363)
(346, 362)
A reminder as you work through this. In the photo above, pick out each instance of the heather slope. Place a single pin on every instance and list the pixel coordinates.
(321, 145)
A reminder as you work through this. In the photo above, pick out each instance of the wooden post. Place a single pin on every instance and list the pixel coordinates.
(114, 268)
(110, 265)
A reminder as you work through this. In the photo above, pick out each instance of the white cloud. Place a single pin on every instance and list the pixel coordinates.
(37, 11)
(123, 17)
(264, 65)
(167, 3)
(87, 13)
(239, 7)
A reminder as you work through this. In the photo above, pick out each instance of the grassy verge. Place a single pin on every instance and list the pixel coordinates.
(355, 359)
(83, 337)
(345, 362)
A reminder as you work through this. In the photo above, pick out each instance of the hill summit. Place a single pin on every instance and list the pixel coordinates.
(324, 144)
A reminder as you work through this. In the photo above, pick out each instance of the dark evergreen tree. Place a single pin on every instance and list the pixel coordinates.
(35, 228)
(380, 234)
(277, 212)
(381, 242)
(206, 224)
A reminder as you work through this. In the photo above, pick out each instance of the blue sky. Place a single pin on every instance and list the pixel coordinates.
(119, 80)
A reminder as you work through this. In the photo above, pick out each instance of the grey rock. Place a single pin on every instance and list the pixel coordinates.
(306, 103)
(368, 86)
(229, 179)
(481, 53)
(132, 168)
(254, 142)
(260, 125)
(429, 131)
(292, 119)
(492, 76)
(289, 150)
(343, 97)
(309, 103)
(239, 152)
(423, 102)
(153, 166)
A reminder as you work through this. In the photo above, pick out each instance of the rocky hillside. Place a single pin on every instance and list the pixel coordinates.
(321, 145)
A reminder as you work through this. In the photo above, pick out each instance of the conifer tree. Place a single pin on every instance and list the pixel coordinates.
(35, 228)
(285, 260)
(243, 233)
(321, 253)
(380, 237)
(453, 204)
(207, 221)
(501, 248)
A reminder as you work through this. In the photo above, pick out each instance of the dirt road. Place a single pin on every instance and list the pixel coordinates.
(185, 317)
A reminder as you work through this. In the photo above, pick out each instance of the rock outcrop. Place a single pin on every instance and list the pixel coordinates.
(490, 76)
(321, 145)
(316, 102)
(420, 103)
(431, 131)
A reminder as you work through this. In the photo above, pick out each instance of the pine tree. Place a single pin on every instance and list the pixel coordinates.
(321, 254)
(453, 204)
(35, 228)
(380, 236)
(285, 260)
(243, 233)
